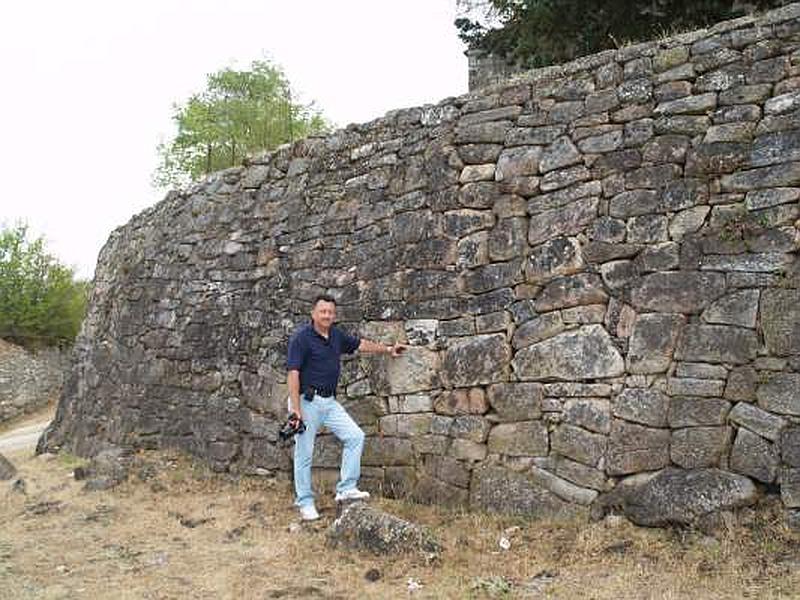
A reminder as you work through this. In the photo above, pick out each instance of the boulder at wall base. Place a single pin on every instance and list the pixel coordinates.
(106, 470)
(496, 489)
(683, 497)
(363, 527)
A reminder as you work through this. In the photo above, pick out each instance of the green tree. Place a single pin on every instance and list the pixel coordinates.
(534, 33)
(41, 302)
(239, 113)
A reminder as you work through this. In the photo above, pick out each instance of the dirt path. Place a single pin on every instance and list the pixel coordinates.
(23, 437)
(24, 434)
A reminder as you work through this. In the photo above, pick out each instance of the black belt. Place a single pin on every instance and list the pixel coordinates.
(311, 391)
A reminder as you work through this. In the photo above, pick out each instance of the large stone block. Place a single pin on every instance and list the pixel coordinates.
(526, 438)
(561, 153)
(516, 401)
(585, 353)
(575, 290)
(446, 469)
(634, 448)
(577, 473)
(780, 321)
(677, 291)
(739, 308)
(593, 414)
(462, 401)
(717, 344)
(469, 427)
(640, 405)
(688, 411)
(653, 342)
(507, 239)
(405, 425)
(764, 423)
(461, 223)
(689, 386)
(538, 329)
(363, 527)
(780, 394)
(561, 256)
(387, 451)
(781, 175)
(414, 371)
(492, 276)
(476, 360)
(678, 497)
(754, 456)
(562, 488)
(430, 490)
(697, 447)
(569, 220)
(514, 162)
(578, 444)
(776, 147)
(564, 178)
(756, 262)
(467, 450)
(741, 384)
(498, 490)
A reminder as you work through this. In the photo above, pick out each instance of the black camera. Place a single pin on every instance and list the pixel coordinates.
(294, 425)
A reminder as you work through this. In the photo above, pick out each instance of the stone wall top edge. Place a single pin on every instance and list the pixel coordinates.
(413, 117)
(642, 49)
(534, 76)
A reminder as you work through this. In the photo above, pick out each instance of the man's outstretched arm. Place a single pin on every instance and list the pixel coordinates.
(370, 347)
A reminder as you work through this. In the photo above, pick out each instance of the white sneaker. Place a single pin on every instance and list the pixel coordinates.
(309, 513)
(354, 494)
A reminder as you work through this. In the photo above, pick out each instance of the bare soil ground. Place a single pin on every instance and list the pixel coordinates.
(175, 530)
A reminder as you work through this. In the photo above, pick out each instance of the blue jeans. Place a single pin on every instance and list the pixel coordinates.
(329, 413)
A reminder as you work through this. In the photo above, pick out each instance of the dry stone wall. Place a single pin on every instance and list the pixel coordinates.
(595, 263)
(29, 381)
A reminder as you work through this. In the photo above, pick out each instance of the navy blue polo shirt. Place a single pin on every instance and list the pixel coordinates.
(317, 358)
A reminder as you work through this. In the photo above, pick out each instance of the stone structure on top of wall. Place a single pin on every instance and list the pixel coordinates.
(486, 69)
(595, 263)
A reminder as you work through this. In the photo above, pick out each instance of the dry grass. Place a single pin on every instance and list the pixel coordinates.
(186, 533)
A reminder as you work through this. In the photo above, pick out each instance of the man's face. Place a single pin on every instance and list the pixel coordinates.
(324, 314)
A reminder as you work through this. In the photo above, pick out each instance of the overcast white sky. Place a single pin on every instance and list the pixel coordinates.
(88, 88)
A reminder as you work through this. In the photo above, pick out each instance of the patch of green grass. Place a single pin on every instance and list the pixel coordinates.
(71, 461)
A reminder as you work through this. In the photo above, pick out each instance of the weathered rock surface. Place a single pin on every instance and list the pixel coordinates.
(678, 291)
(7, 468)
(106, 470)
(780, 394)
(363, 527)
(495, 489)
(754, 456)
(586, 353)
(476, 360)
(653, 342)
(677, 497)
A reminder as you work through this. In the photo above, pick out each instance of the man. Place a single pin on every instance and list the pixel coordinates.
(313, 365)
